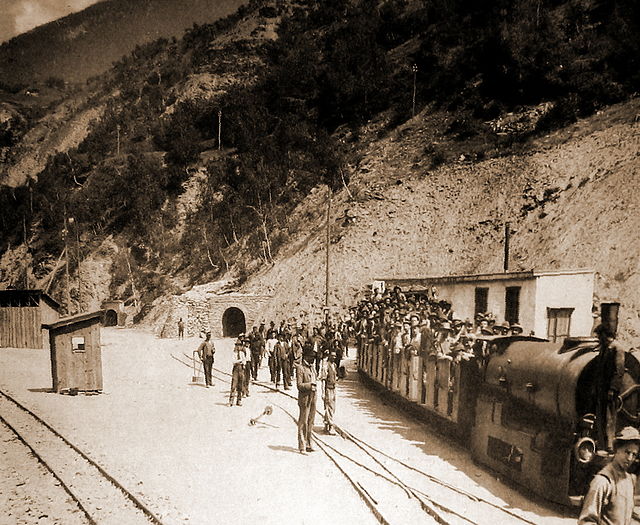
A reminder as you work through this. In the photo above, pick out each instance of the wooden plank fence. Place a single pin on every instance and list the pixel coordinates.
(20, 327)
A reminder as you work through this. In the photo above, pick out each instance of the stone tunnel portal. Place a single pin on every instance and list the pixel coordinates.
(233, 322)
(111, 318)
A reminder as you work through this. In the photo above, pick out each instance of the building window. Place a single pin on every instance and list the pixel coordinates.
(559, 324)
(482, 298)
(77, 344)
(512, 304)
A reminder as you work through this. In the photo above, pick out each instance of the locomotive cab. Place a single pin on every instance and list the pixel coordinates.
(536, 413)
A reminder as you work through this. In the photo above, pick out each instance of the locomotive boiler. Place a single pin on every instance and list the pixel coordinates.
(542, 414)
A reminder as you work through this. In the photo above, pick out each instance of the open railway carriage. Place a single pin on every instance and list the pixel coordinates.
(528, 407)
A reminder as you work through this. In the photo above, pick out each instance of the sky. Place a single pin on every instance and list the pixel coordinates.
(18, 16)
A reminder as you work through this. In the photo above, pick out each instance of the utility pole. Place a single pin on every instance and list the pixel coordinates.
(414, 68)
(134, 292)
(328, 243)
(26, 245)
(219, 129)
(66, 262)
(72, 220)
(507, 238)
(118, 140)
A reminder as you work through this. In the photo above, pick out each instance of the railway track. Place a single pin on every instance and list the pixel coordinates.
(395, 491)
(102, 499)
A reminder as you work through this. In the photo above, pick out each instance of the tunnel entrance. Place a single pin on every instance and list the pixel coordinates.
(233, 322)
(111, 318)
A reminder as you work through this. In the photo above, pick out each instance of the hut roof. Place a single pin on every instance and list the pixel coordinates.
(66, 321)
(13, 297)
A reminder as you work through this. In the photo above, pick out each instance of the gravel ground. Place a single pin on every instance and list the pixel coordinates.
(192, 459)
(28, 492)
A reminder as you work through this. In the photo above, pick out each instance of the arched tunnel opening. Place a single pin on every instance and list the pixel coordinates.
(233, 322)
(111, 318)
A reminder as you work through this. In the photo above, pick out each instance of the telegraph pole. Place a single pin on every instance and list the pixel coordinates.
(65, 232)
(73, 221)
(328, 243)
(219, 129)
(507, 238)
(414, 68)
(25, 240)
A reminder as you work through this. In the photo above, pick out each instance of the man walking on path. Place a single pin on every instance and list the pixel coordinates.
(306, 381)
(281, 351)
(247, 366)
(181, 329)
(330, 377)
(205, 352)
(256, 345)
(238, 373)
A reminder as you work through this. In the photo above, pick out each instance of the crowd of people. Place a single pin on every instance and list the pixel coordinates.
(310, 355)
(410, 324)
(404, 325)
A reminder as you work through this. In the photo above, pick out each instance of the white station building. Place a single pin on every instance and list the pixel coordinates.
(548, 304)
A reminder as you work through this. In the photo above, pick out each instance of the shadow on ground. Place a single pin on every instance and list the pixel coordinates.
(386, 415)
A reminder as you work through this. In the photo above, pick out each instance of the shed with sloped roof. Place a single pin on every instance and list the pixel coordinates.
(22, 314)
(76, 356)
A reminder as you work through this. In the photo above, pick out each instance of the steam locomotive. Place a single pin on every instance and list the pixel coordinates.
(541, 414)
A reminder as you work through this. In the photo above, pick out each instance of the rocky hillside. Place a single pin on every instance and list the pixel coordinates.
(201, 165)
(569, 199)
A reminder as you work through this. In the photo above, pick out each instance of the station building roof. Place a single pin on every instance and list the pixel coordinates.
(20, 298)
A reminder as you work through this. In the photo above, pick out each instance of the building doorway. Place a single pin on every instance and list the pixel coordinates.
(233, 322)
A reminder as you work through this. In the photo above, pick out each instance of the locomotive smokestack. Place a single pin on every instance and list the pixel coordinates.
(507, 236)
(609, 317)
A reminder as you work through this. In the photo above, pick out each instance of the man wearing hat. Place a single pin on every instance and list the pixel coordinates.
(483, 324)
(247, 366)
(306, 379)
(256, 345)
(205, 353)
(609, 500)
(329, 374)
(238, 372)
(516, 329)
(281, 351)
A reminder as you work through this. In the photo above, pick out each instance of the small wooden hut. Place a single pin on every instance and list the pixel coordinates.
(22, 314)
(76, 358)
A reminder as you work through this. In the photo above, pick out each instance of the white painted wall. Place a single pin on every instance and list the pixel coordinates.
(538, 291)
(462, 297)
(570, 290)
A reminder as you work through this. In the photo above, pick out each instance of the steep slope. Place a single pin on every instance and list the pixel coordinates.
(61, 129)
(570, 201)
(86, 43)
(426, 196)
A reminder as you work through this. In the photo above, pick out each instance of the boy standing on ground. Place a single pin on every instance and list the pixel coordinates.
(282, 363)
(609, 500)
(306, 381)
(329, 394)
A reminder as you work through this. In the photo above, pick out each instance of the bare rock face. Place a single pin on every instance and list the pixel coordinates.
(570, 202)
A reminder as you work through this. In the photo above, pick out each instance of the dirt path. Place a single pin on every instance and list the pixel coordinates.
(192, 459)
(28, 491)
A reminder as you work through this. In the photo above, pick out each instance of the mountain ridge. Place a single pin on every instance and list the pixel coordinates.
(100, 35)
(210, 158)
